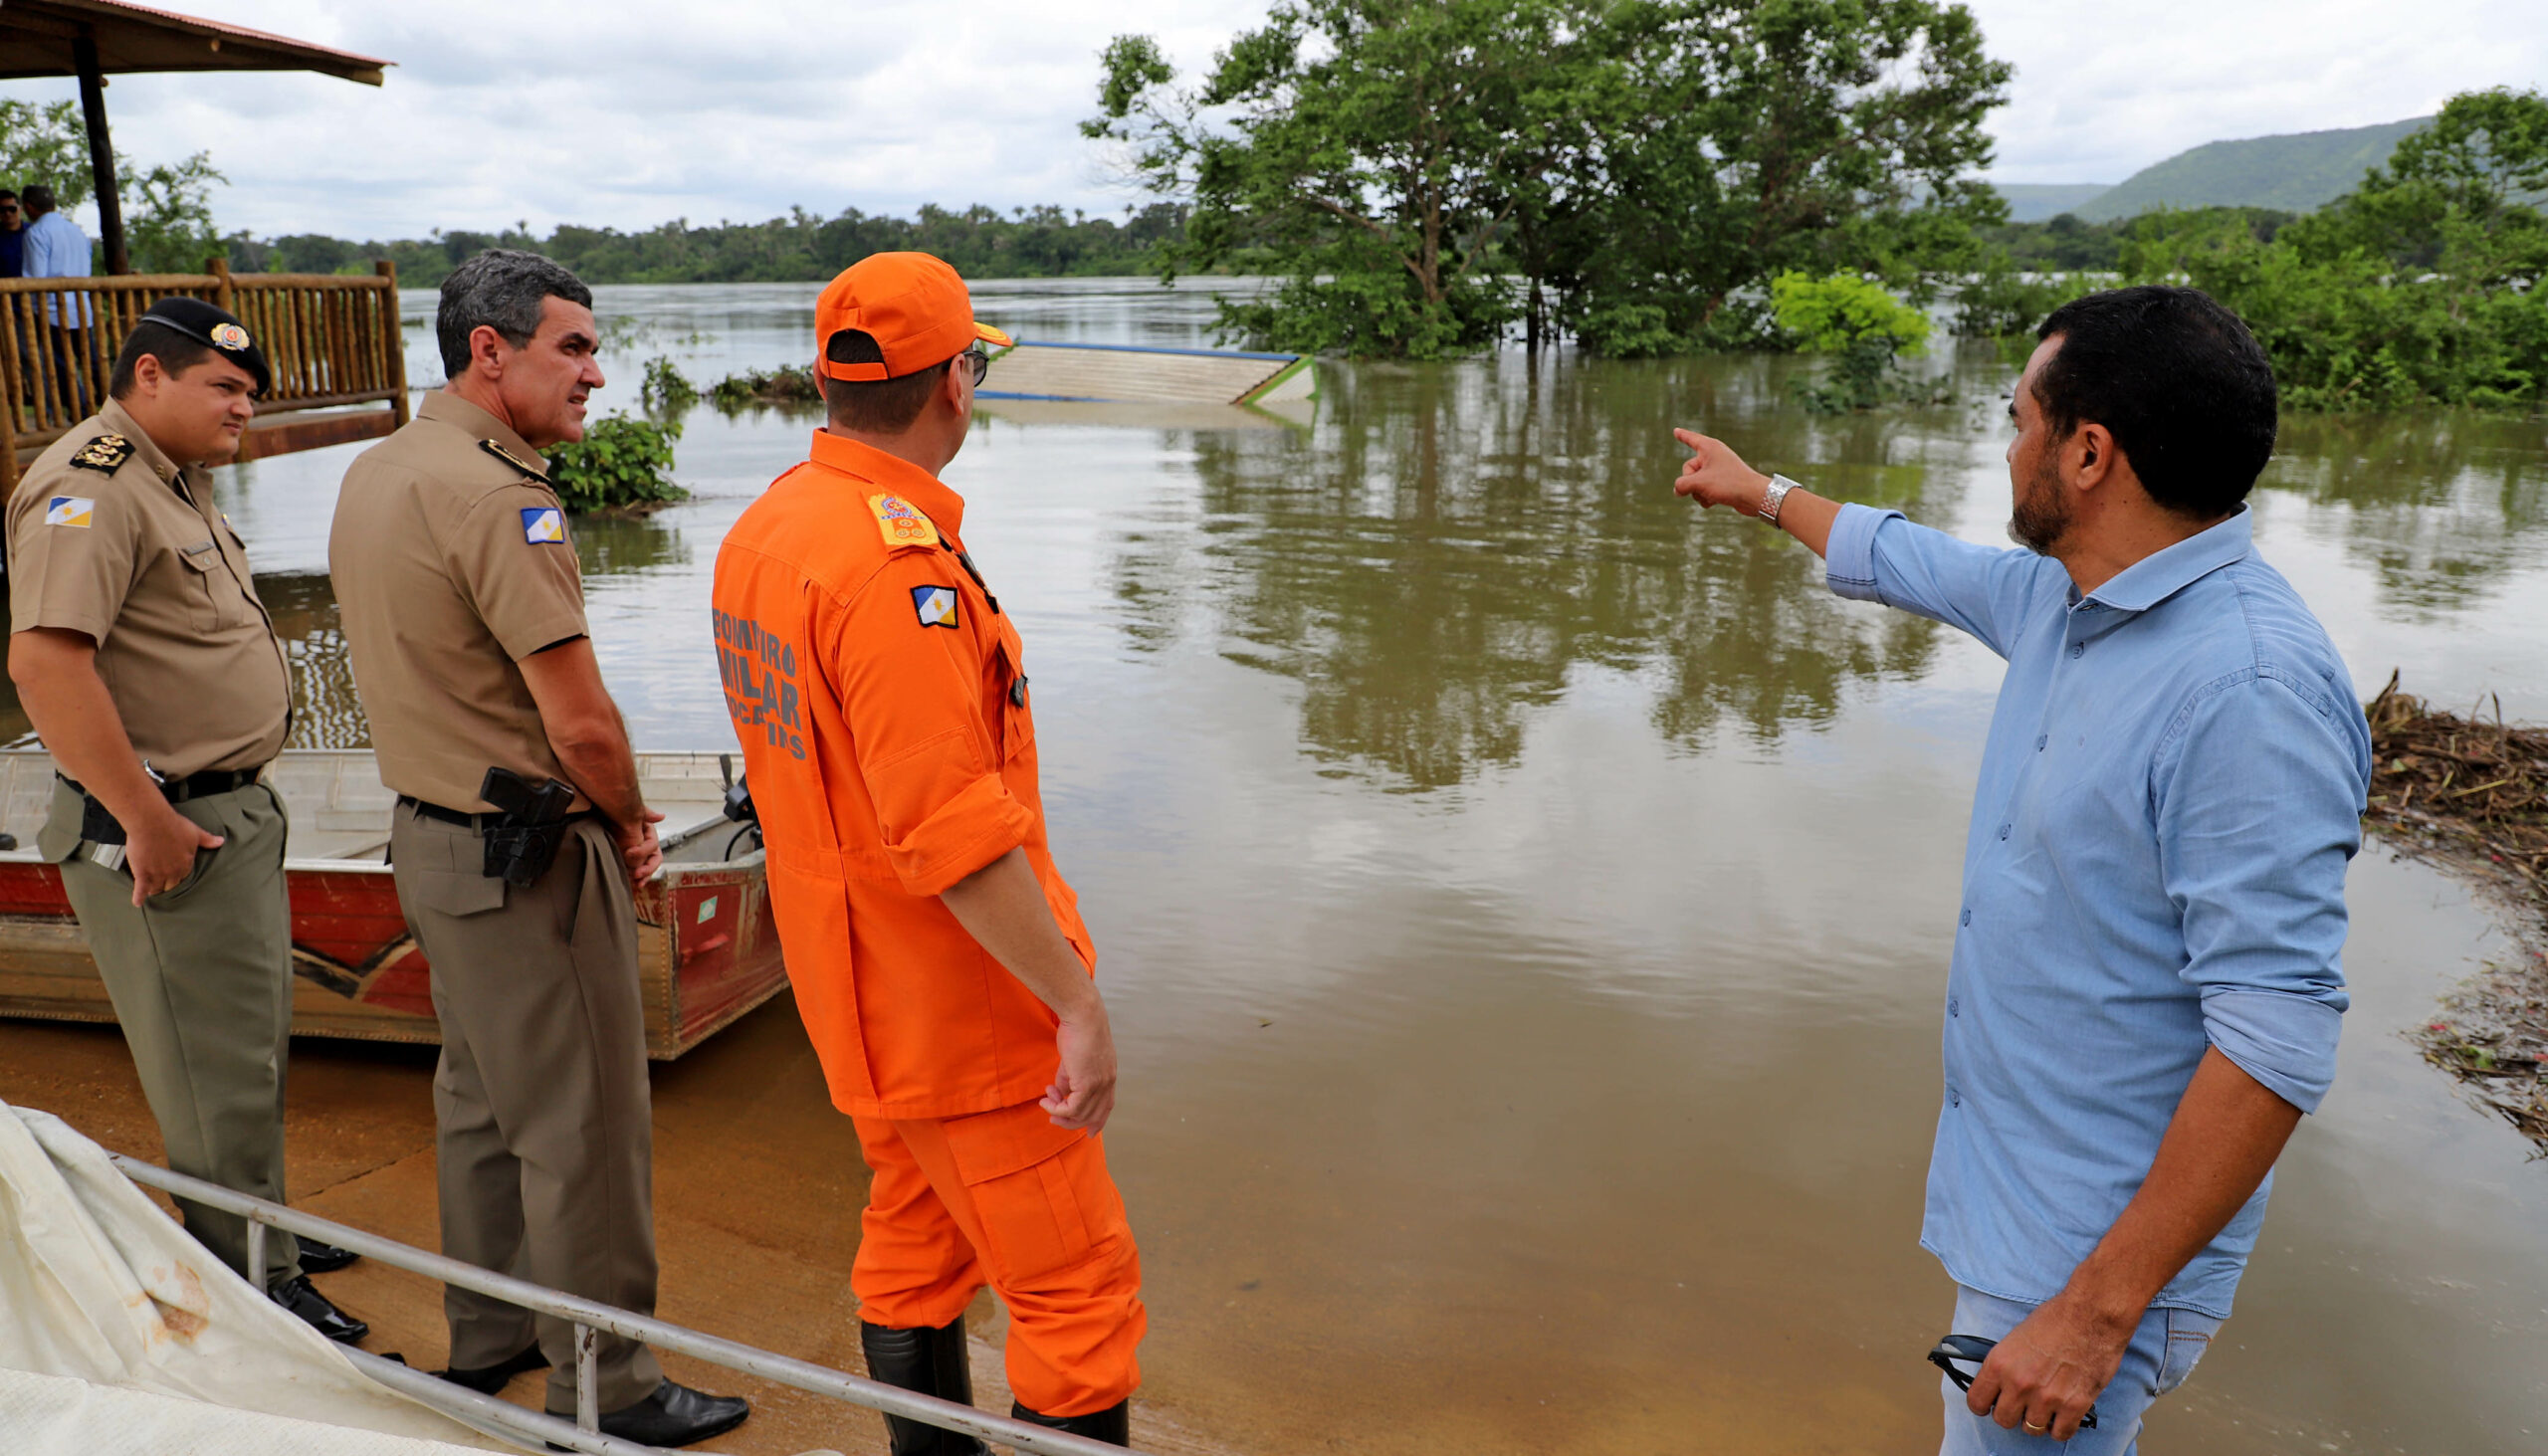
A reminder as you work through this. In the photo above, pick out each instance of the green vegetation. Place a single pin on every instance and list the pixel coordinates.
(789, 387)
(1423, 174)
(666, 391)
(167, 208)
(621, 464)
(2421, 286)
(2292, 173)
(802, 247)
(1866, 327)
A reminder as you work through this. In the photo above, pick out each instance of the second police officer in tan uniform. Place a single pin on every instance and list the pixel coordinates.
(464, 615)
(154, 677)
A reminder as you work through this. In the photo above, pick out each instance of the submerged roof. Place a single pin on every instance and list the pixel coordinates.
(36, 37)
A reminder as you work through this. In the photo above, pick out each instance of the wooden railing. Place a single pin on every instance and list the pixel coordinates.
(333, 342)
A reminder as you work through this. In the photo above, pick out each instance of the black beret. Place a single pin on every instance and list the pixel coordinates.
(212, 325)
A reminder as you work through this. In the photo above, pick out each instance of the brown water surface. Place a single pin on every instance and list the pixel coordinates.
(1524, 903)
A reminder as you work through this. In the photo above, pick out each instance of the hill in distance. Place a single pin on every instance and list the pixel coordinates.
(2035, 202)
(2295, 172)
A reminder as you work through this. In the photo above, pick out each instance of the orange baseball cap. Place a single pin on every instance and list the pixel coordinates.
(912, 304)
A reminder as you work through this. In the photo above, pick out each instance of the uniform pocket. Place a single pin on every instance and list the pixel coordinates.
(1059, 1212)
(1017, 717)
(454, 892)
(212, 599)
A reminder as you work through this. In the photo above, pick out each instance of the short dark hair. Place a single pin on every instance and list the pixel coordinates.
(501, 289)
(2184, 388)
(175, 351)
(875, 406)
(37, 196)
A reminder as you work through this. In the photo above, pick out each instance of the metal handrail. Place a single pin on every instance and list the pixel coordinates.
(589, 1316)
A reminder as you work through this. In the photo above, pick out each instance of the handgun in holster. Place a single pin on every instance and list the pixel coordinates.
(523, 843)
(102, 833)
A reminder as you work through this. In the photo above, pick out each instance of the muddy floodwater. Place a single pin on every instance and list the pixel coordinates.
(1524, 903)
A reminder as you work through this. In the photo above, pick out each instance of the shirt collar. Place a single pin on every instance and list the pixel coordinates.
(944, 507)
(476, 423)
(112, 415)
(2161, 575)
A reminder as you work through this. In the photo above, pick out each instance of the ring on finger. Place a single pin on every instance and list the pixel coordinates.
(2037, 1430)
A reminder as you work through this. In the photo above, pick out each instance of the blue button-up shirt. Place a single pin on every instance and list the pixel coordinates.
(55, 248)
(2172, 787)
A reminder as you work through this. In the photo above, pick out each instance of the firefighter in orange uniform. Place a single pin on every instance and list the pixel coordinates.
(938, 957)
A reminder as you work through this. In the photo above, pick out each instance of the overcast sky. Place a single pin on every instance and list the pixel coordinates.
(635, 111)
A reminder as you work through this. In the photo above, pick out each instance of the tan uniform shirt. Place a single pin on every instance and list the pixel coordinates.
(452, 565)
(110, 537)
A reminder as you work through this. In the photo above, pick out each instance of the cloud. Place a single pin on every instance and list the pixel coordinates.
(2105, 90)
(639, 111)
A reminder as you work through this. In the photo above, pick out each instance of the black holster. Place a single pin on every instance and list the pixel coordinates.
(97, 826)
(523, 843)
(518, 853)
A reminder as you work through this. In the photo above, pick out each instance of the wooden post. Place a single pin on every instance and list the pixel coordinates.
(393, 337)
(102, 152)
(222, 292)
(11, 386)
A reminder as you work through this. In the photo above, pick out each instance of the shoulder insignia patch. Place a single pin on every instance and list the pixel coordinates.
(543, 525)
(516, 462)
(936, 605)
(105, 452)
(73, 511)
(902, 525)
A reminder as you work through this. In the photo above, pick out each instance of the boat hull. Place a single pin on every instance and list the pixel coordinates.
(707, 946)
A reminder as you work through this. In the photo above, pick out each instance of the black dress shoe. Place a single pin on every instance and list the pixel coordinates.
(675, 1416)
(488, 1380)
(1113, 1426)
(298, 1295)
(318, 1258)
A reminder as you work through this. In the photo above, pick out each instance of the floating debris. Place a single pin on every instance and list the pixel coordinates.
(2473, 795)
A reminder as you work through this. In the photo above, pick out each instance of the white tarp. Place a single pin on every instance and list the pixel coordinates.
(97, 1286)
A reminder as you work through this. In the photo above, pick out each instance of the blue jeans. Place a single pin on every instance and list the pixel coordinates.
(2162, 1354)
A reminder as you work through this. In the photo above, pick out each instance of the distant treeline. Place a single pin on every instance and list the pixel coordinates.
(2066, 242)
(802, 247)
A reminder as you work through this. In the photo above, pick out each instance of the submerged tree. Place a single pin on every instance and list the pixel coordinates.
(1365, 150)
(1635, 164)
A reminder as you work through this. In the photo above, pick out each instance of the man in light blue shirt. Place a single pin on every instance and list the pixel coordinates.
(2145, 989)
(55, 248)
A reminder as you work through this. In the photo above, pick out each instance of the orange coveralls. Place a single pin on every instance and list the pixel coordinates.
(878, 692)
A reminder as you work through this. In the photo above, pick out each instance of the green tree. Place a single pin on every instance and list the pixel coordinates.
(167, 208)
(1783, 136)
(1366, 150)
(1855, 318)
(2422, 286)
(168, 226)
(1638, 164)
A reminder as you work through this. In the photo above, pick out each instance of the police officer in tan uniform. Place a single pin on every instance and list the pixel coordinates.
(464, 615)
(154, 676)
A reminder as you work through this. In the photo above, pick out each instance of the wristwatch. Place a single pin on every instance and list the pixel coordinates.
(1777, 492)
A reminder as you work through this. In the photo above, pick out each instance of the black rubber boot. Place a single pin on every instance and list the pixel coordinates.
(1113, 1426)
(931, 1363)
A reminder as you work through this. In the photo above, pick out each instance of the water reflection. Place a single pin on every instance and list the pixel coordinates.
(1448, 544)
(325, 713)
(2441, 505)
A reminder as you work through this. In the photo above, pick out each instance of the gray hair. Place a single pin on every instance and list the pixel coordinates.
(501, 289)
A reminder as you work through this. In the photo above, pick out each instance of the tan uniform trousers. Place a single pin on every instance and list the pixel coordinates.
(545, 1121)
(201, 979)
